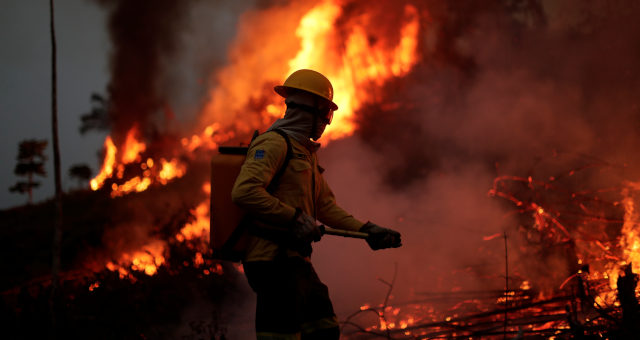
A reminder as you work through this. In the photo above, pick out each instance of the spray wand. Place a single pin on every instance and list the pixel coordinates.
(344, 233)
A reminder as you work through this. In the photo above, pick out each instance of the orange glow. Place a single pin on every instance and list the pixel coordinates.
(198, 228)
(362, 65)
(146, 260)
(606, 258)
(357, 65)
(206, 187)
(629, 243)
(107, 165)
(170, 170)
(305, 37)
(630, 240)
(136, 184)
(132, 147)
(94, 285)
(199, 260)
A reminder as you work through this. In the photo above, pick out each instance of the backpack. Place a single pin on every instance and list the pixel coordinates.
(229, 225)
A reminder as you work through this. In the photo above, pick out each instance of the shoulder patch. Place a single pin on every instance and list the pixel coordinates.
(259, 155)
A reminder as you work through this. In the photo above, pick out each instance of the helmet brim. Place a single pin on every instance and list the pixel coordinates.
(285, 91)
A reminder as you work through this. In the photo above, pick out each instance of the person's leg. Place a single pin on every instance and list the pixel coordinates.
(318, 318)
(277, 308)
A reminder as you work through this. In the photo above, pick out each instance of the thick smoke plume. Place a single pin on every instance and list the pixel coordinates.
(145, 40)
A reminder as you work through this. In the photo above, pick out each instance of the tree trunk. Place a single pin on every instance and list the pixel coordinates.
(30, 188)
(57, 232)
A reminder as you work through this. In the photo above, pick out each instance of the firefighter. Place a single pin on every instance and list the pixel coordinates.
(292, 302)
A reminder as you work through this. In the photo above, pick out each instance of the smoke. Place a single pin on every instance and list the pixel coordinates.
(504, 88)
(144, 41)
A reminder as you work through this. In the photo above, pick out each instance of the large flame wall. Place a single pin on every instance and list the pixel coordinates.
(437, 99)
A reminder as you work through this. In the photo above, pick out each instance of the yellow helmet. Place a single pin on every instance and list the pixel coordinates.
(310, 81)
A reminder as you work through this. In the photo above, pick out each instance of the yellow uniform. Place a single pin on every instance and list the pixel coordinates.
(301, 186)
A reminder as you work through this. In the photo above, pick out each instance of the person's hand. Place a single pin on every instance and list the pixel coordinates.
(381, 238)
(305, 230)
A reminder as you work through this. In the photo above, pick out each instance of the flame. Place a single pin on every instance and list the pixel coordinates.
(107, 165)
(630, 240)
(198, 228)
(356, 65)
(136, 184)
(170, 170)
(361, 65)
(131, 152)
(94, 285)
(605, 256)
(146, 260)
(629, 244)
(151, 255)
(356, 71)
(132, 147)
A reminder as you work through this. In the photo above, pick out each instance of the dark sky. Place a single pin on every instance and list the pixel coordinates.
(25, 85)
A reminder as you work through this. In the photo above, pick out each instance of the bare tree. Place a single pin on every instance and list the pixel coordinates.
(57, 232)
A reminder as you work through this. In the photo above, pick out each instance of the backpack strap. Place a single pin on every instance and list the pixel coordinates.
(266, 231)
(276, 178)
(247, 222)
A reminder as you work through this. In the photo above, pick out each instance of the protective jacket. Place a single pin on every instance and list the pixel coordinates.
(301, 186)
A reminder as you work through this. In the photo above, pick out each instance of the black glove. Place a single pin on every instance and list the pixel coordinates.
(381, 238)
(305, 230)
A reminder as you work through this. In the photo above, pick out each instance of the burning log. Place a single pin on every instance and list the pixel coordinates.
(591, 300)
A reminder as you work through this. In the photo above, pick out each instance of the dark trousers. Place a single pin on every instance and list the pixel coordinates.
(292, 301)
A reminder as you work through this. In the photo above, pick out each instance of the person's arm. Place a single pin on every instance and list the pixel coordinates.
(330, 213)
(264, 158)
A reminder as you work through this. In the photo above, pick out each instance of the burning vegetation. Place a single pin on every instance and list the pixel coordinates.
(534, 100)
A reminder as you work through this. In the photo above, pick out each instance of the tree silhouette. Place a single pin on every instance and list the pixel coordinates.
(31, 160)
(81, 173)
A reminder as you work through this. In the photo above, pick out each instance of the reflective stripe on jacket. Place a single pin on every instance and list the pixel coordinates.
(301, 186)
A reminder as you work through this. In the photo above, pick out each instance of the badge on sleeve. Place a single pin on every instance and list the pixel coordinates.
(259, 155)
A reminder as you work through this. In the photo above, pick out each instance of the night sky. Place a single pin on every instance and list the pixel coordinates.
(25, 85)
(84, 49)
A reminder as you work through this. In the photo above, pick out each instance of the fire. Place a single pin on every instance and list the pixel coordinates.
(356, 64)
(136, 184)
(356, 60)
(152, 255)
(94, 285)
(132, 147)
(198, 228)
(629, 242)
(362, 64)
(601, 258)
(107, 165)
(131, 152)
(170, 170)
(146, 260)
